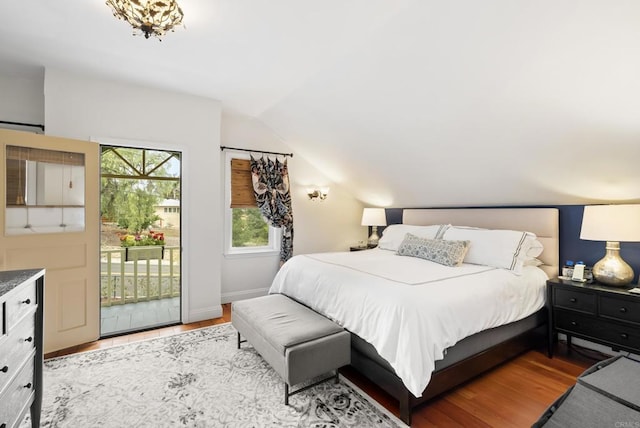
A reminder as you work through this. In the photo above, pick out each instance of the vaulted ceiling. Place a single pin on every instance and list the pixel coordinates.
(403, 102)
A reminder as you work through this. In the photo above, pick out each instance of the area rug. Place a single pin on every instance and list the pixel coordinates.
(193, 379)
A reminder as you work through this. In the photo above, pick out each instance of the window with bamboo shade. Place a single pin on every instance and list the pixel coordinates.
(249, 230)
(241, 185)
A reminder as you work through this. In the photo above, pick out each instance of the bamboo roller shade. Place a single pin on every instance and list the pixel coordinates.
(241, 185)
(43, 155)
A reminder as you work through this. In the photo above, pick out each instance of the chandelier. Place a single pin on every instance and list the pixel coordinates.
(148, 17)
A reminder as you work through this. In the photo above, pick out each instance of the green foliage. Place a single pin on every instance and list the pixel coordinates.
(130, 201)
(249, 228)
(136, 211)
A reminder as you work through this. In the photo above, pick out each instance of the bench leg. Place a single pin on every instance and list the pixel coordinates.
(238, 340)
(286, 394)
(336, 379)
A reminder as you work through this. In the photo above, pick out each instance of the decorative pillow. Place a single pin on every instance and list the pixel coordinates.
(533, 262)
(393, 235)
(506, 249)
(448, 253)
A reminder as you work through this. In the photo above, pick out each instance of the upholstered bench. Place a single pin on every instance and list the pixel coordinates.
(297, 342)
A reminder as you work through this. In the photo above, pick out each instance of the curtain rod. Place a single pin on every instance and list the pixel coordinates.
(32, 125)
(256, 151)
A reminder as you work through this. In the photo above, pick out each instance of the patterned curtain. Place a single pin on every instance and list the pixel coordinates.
(271, 188)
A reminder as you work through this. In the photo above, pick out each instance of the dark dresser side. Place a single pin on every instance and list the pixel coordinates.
(21, 346)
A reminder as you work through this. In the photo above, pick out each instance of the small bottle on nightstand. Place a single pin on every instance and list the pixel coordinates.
(567, 269)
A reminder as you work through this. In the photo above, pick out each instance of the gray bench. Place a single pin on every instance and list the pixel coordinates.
(297, 342)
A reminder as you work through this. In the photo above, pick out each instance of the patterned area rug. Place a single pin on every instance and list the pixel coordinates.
(193, 379)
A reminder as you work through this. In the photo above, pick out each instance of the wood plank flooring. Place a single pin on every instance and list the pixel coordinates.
(514, 394)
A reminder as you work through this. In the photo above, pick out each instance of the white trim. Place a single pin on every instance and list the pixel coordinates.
(251, 254)
(185, 315)
(202, 314)
(245, 294)
(275, 233)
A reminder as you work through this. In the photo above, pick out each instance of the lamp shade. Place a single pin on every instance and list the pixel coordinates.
(374, 217)
(619, 223)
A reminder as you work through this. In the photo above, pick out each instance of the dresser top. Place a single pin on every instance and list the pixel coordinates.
(596, 286)
(12, 278)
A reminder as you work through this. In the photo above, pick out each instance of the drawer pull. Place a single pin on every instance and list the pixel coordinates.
(573, 323)
(28, 386)
(4, 369)
(573, 300)
(624, 335)
(623, 310)
(29, 339)
(27, 302)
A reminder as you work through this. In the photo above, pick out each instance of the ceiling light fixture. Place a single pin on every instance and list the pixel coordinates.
(148, 17)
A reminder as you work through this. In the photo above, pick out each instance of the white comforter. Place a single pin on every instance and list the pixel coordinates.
(411, 310)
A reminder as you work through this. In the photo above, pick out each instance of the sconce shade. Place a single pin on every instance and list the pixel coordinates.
(612, 223)
(374, 217)
(619, 223)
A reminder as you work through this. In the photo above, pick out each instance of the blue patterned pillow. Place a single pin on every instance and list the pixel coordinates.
(448, 253)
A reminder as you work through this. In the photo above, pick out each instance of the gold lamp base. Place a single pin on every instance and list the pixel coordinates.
(611, 269)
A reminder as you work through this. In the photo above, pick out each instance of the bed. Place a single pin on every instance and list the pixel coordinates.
(420, 328)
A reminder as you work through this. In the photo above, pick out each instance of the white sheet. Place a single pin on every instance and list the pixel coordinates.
(411, 310)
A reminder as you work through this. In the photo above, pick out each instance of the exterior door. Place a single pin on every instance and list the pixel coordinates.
(67, 248)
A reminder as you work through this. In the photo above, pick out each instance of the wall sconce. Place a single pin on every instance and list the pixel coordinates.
(612, 224)
(374, 217)
(318, 193)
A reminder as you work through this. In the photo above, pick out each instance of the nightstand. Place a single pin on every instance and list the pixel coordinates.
(606, 315)
(358, 248)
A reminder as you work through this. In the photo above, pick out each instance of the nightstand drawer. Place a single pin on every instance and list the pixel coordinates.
(620, 309)
(611, 333)
(575, 300)
(573, 322)
(624, 336)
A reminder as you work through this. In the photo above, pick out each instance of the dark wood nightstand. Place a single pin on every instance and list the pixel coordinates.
(606, 315)
(358, 248)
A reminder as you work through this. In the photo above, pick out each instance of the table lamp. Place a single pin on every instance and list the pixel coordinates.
(374, 217)
(613, 224)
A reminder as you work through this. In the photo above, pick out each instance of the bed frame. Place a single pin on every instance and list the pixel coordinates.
(464, 362)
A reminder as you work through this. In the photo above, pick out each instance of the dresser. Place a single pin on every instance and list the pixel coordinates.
(606, 315)
(21, 346)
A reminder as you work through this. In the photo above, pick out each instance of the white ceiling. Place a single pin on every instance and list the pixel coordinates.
(404, 102)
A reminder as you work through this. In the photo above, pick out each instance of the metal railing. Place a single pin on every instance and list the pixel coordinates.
(123, 281)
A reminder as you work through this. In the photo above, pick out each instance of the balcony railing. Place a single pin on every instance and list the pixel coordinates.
(124, 281)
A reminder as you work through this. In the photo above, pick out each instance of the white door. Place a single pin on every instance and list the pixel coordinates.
(68, 248)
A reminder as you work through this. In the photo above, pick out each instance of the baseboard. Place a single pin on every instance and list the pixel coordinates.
(244, 294)
(202, 314)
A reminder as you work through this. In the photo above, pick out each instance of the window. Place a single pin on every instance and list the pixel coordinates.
(246, 230)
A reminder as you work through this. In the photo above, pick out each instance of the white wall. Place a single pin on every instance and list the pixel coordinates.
(83, 108)
(21, 98)
(329, 225)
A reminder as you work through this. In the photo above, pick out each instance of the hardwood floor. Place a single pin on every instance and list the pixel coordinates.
(514, 394)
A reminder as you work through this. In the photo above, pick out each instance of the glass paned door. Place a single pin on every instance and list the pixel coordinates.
(140, 258)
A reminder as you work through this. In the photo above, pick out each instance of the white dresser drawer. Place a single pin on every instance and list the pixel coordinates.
(17, 393)
(16, 345)
(19, 303)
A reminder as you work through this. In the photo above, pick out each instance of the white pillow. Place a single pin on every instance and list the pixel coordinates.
(394, 234)
(506, 249)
